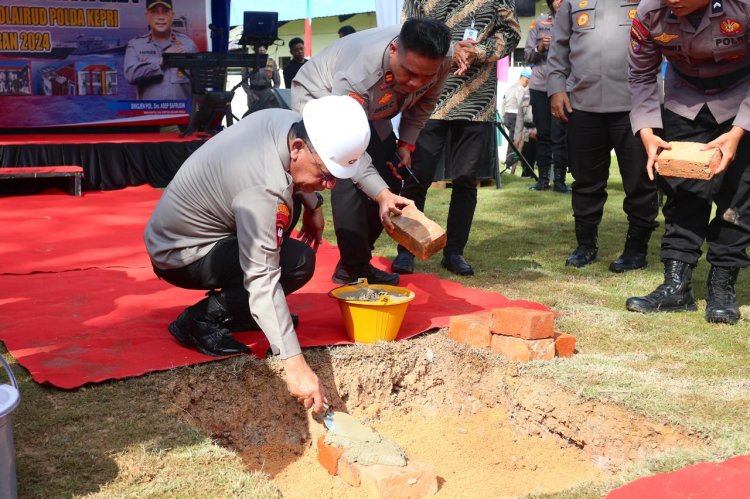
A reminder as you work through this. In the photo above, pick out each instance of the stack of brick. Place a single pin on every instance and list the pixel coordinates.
(520, 334)
(416, 479)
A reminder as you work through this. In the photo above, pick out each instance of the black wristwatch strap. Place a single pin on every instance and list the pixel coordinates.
(320, 200)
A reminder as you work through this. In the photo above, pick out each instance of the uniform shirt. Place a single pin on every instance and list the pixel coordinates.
(262, 79)
(236, 183)
(717, 47)
(143, 67)
(472, 96)
(358, 65)
(540, 27)
(512, 98)
(598, 77)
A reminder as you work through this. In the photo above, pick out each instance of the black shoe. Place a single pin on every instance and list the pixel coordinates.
(251, 325)
(562, 188)
(206, 335)
(721, 305)
(457, 264)
(374, 276)
(675, 294)
(581, 256)
(629, 261)
(539, 186)
(403, 263)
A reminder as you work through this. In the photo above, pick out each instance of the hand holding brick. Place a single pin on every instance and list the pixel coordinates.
(686, 160)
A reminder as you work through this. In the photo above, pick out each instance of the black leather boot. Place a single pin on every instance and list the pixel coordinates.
(203, 326)
(675, 294)
(636, 248)
(721, 305)
(559, 184)
(585, 253)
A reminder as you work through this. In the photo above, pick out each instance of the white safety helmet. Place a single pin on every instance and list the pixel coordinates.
(339, 132)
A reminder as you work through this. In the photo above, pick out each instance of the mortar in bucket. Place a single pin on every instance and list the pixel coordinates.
(9, 399)
(372, 312)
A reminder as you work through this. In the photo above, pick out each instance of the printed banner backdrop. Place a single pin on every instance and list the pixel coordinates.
(94, 62)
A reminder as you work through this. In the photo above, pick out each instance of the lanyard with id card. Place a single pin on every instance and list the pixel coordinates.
(471, 33)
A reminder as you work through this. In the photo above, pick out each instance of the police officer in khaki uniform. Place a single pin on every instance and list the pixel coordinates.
(706, 100)
(144, 65)
(597, 114)
(223, 223)
(257, 84)
(388, 70)
(551, 148)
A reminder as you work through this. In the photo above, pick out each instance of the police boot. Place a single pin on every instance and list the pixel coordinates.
(203, 326)
(543, 183)
(674, 295)
(721, 305)
(559, 184)
(587, 248)
(636, 247)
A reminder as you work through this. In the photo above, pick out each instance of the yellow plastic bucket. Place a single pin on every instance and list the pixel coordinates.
(372, 312)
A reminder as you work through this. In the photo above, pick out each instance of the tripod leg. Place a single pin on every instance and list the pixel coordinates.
(524, 162)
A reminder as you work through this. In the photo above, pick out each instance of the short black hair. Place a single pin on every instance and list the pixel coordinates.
(295, 41)
(346, 30)
(551, 5)
(299, 131)
(426, 37)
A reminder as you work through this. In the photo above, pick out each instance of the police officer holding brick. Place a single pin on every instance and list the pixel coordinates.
(707, 100)
(389, 70)
(144, 66)
(597, 113)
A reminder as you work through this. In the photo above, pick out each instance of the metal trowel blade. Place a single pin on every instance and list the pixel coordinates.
(328, 417)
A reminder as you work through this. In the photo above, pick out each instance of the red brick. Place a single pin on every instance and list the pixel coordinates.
(349, 472)
(520, 350)
(328, 456)
(417, 233)
(472, 329)
(416, 479)
(686, 160)
(523, 323)
(565, 344)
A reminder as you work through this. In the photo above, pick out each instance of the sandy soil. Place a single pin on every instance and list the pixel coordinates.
(488, 431)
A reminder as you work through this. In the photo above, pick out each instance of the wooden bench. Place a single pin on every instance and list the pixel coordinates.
(74, 173)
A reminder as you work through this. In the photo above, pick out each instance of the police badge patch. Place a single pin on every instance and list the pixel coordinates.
(282, 220)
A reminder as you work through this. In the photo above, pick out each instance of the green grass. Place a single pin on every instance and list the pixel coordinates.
(116, 439)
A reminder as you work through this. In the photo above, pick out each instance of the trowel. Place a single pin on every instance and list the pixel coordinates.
(346, 425)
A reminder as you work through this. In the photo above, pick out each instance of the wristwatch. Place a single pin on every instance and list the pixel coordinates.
(320, 200)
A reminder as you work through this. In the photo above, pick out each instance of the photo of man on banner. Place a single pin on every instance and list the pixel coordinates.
(144, 66)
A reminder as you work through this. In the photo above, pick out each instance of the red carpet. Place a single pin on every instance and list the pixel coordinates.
(727, 480)
(80, 304)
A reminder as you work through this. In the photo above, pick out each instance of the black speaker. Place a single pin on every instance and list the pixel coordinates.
(260, 28)
(525, 8)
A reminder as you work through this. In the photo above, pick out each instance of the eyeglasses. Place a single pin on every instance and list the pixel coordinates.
(325, 175)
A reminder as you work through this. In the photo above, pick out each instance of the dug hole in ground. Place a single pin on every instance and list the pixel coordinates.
(487, 430)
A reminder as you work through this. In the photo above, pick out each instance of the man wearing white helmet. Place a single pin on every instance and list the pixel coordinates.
(223, 225)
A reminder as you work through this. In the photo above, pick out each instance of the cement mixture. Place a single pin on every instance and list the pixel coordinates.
(488, 431)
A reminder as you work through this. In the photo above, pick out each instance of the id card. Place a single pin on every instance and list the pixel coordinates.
(470, 34)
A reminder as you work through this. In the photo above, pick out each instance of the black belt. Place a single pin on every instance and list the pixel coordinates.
(714, 84)
(259, 87)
